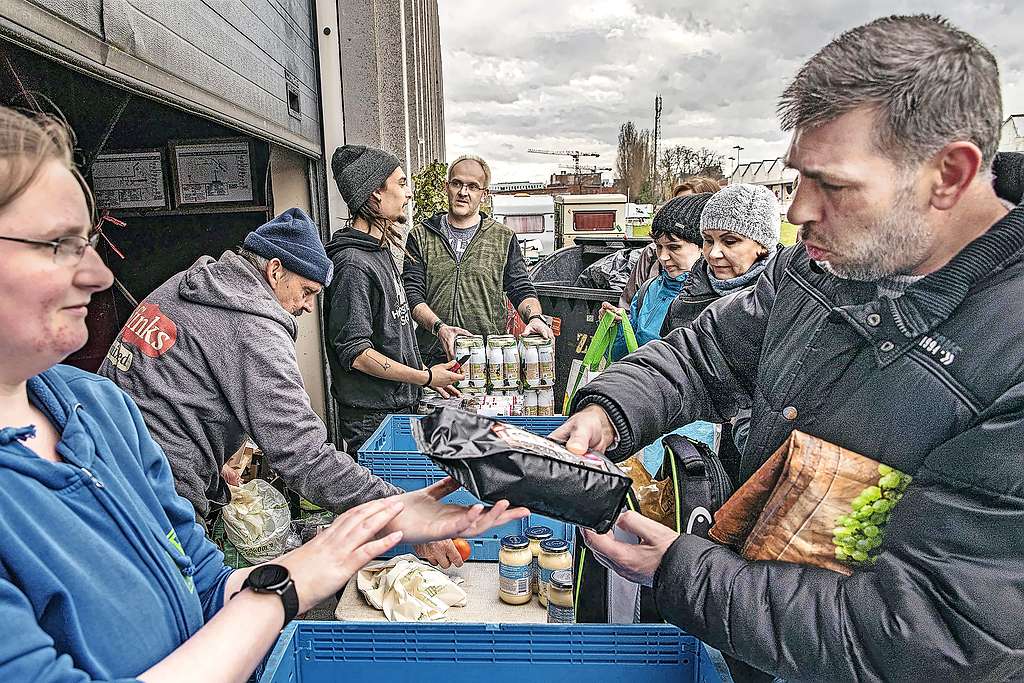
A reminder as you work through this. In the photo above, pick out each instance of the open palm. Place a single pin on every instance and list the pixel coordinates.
(425, 518)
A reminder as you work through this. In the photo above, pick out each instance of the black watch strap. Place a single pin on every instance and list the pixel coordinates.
(273, 578)
(438, 324)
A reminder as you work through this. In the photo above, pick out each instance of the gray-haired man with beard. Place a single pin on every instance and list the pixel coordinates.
(893, 330)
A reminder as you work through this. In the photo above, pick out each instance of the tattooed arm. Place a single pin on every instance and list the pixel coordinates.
(377, 364)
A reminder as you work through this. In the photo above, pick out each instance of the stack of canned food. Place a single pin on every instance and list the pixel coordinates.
(522, 370)
(535, 564)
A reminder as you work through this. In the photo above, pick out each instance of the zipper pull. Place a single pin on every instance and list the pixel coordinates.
(95, 480)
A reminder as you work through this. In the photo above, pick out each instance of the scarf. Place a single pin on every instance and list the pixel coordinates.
(723, 287)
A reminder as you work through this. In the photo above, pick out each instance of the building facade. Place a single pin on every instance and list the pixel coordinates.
(1011, 138)
(282, 81)
(773, 174)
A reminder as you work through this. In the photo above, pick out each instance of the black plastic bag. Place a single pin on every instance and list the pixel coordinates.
(611, 271)
(496, 461)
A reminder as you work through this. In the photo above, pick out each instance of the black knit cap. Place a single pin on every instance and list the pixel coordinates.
(359, 171)
(680, 217)
(1008, 169)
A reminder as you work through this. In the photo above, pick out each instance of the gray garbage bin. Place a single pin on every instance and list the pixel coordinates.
(577, 308)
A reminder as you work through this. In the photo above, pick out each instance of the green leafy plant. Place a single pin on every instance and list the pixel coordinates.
(429, 194)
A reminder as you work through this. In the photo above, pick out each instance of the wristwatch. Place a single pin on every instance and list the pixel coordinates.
(273, 578)
(438, 324)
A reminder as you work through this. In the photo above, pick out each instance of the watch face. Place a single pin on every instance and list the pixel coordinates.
(268, 576)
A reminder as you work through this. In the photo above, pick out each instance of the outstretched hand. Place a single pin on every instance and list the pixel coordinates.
(425, 518)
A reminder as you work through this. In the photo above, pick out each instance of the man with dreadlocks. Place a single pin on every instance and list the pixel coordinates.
(371, 343)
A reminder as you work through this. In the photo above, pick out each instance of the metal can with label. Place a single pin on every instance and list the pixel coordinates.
(498, 373)
(545, 402)
(476, 373)
(531, 362)
(511, 362)
(530, 402)
(546, 359)
(495, 365)
(472, 397)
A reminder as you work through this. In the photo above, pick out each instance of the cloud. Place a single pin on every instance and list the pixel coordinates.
(567, 74)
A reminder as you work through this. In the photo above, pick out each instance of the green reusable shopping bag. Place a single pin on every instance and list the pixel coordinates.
(598, 356)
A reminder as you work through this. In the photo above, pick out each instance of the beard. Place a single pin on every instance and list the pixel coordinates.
(894, 245)
(401, 219)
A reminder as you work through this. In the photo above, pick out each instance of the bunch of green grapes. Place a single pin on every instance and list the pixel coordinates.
(859, 533)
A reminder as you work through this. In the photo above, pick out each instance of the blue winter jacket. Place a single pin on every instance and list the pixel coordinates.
(103, 571)
(647, 318)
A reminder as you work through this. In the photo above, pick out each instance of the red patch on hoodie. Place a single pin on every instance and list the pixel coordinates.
(150, 330)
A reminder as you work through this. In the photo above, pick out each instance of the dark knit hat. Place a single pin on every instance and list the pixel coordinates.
(680, 217)
(293, 238)
(1008, 169)
(359, 171)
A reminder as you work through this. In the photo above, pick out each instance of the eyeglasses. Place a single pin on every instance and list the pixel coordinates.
(457, 185)
(67, 251)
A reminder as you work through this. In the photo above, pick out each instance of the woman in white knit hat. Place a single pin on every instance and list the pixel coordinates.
(740, 226)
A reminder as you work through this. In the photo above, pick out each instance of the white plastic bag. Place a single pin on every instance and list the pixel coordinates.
(257, 521)
(407, 589)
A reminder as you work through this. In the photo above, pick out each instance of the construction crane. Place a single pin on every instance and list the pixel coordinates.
(575, 154)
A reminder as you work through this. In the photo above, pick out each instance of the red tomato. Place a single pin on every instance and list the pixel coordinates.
(464, 548)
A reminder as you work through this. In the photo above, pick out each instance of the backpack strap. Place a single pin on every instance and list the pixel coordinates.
(695, 501)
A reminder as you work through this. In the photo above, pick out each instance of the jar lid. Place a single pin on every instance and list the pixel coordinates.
(515, 542)
(538, 533)
(561, 579)
(554, 545)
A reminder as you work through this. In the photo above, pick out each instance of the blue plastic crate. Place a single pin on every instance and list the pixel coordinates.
(391, 454)
(329, 651)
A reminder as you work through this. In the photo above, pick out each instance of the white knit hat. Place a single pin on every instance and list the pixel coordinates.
(748, 210)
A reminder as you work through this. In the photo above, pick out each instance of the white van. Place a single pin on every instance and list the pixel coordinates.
(532, 217)
(595, 215)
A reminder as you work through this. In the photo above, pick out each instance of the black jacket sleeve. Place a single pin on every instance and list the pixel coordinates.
(517, 283)
(703, 371)
(350, 324)
(414, 274)
(941, 604)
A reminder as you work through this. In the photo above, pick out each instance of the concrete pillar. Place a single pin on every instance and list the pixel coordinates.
(290, 181)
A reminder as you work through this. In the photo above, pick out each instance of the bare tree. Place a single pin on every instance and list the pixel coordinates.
(681, 162)
(633, 161)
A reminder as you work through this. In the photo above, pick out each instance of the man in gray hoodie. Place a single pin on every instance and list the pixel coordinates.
(209, 357)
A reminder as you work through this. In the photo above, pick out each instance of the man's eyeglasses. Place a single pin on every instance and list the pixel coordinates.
(67, 251)
(457, 185)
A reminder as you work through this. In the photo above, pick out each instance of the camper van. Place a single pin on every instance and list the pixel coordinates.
(532, 217)
(592, 215)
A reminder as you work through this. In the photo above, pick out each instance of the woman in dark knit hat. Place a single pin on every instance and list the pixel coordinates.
(677, 239)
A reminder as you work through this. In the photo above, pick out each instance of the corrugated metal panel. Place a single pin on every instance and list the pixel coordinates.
(229, 60)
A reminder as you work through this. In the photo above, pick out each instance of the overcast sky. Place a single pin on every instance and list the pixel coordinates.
(564, 74)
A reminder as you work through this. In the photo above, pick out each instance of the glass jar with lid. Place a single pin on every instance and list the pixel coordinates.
(554, 555)
(536, 534)
(514, 560)
(561, 609)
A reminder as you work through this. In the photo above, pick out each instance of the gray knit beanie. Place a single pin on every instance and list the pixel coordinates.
(360, 171)
(748, 210)
(680, 217)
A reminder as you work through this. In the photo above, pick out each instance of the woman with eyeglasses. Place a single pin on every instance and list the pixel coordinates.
(104, 574)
